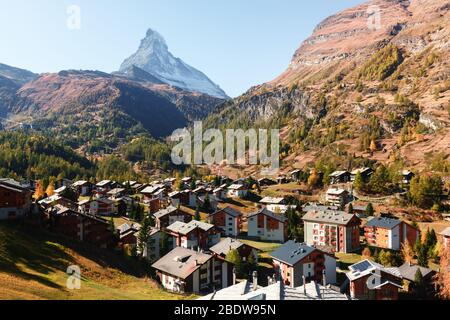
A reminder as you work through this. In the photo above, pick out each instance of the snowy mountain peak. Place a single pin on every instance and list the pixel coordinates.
(154, 57)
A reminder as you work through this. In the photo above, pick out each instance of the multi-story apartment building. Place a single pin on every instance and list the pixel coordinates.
(299, 263)
(183, 270)
(194, 235)
(228, 220)
(267, 226)
(337, 229)
(389, 233)
(15, 200)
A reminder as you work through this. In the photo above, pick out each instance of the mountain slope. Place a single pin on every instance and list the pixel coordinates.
(18, 76)
(349, 85)
(153, 56)
(33, 265)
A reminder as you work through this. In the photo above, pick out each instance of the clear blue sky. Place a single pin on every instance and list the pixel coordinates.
(237, 43)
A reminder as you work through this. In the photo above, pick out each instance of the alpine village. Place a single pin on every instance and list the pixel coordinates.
(359, 210)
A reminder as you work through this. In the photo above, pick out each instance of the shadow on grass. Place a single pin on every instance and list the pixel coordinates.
(36, 249)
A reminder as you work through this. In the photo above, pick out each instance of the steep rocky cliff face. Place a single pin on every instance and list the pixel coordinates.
(378, 72)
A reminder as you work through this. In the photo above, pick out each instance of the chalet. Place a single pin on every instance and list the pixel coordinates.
(194, 235)
(80, 226)
(339, 177)
(228, 220)
(389, 233)
(407, 176)
(128, 233)
(408, 273)
(97, 206)
(179, 198)
(208, 202)
(282, 179)
(266, 225)
(226, 245)
(153, 191)
(152, 249)
(187, 181)
(337, 197)
(84, 188)
(57, 199)
(265, 182)
(365, 174)
(237, 191)
(220, 193)
(298, 263)
(104, 186)
(169, 182)
(116, 193)
(15, 200)
(295, 175)
(278, 205)
(276, 290)
(336, 229)
(154, 205)
(166, 217)
(446, 237)
(186, 271)
(372, 281)
(63, 183)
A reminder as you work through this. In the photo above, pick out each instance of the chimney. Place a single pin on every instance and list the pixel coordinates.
(304, 284)
(324, 278)
(234, 276)
(255, 280)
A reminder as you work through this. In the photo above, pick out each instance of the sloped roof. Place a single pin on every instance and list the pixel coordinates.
(269, 214)
(445, 232)
(272, 200)
(226, 245)
(292, 252)
(384, 223)
(185, 228)
(329, 216)
(230, 211)
(366, 267)
(13, 185)
(181, 262)
(409, 271)
(166, 211)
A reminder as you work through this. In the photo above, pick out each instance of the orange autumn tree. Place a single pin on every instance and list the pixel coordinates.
(50, 189)
(443, 277)
(39, 193)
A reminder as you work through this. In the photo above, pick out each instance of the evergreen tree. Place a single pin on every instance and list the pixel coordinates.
(350, 208)
(419, 284)
(197, 216)
(359, 182)
(369, 210)
(422, 257)
(234, 258)
(143, 236)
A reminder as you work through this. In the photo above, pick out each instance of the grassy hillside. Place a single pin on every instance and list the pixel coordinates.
(33, 265)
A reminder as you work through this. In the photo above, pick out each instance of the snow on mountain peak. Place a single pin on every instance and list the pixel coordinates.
(154, 57)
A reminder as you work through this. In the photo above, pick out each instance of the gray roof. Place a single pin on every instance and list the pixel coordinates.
(329, 216)
(103, 183)
(385, 223)
(292, 252)
(270, 214)
(276, 291)
(185, 228)
(317, 207)
(13, 185)
(409, 271)
(181, 262)
(163, 212)
(338, 173)
(226, 245)
(230, 211)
